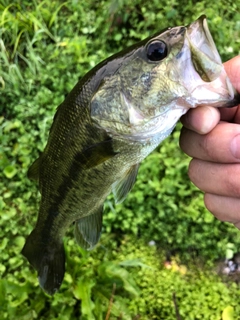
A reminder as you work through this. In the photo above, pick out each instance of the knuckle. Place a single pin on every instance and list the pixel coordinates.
(191, 170)
(210, 204)
(195, 172)
(232, 181)
(208, 147)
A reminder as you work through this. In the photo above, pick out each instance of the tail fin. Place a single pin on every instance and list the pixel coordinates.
(48, 260)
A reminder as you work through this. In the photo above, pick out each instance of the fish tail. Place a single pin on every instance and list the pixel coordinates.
(48, 259)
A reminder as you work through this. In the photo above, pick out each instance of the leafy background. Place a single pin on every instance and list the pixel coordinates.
(157, 256)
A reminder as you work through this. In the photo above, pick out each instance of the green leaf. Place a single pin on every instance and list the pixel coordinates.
(114, 271)
(10, 171)
(133, 263)
(228, 313)
(11, 125)
(18, 293)
(82, 291)
(230, 250)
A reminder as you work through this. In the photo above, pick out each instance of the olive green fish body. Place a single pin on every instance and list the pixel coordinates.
(113, 118)
(76, 172)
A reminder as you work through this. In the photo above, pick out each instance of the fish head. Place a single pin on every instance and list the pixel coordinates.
(203, 73)
(152, 84)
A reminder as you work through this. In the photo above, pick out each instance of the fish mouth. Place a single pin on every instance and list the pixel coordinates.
(205, 56)
(215, 86)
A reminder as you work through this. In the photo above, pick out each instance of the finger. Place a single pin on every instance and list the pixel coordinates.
(202, 119)
(237, 115)
(237, 224)
(232, 68)
(223, 208)
(228, 114)
(215, 178)
(222, 144)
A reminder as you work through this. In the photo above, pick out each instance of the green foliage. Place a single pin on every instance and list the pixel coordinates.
(198, 294)
(45, 46)
(86, 291)
(127, 281)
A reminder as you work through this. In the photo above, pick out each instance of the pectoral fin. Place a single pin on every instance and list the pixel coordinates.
(96, 154)
(88, 230)
(121, 187)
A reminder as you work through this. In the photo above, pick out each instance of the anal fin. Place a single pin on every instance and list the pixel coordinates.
(88, 229)
(122, 186)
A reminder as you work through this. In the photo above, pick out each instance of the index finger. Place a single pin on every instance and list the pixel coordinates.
(220, 145)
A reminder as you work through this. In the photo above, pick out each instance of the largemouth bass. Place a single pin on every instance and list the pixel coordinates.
(113, 118)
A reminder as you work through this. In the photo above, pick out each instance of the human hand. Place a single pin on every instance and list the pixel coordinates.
(212, 138)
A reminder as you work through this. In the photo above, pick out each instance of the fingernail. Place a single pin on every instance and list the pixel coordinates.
(209, 121)
(235, 147)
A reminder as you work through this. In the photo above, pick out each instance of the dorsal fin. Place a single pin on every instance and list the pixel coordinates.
(88, 229)
(122, 186)
(33, 171)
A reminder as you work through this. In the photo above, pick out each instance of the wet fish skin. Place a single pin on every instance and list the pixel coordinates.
(112, 119)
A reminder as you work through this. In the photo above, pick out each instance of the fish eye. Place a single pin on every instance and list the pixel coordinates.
(157, 50)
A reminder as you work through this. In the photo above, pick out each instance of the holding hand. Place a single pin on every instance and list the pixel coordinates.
(212, 137)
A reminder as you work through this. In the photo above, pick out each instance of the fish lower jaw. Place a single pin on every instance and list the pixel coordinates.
(218, 93)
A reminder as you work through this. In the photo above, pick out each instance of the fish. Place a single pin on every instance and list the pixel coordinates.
(117, 114)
